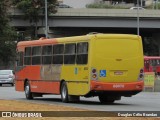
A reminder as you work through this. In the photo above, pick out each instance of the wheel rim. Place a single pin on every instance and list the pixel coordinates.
(64, 92)
(27, 90)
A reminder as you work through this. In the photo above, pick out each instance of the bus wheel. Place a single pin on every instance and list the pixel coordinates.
(64, 92)
(28, 91)
(105, 99)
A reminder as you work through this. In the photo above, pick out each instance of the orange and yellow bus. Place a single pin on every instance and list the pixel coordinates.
(105, 65)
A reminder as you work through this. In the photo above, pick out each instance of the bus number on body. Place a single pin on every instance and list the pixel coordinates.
(118, 86)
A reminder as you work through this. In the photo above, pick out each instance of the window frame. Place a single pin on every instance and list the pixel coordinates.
(47, 55)
(27, 56)
(86, 53)
(60, 54)
(70, 54)
(20, 58)
(38, 55)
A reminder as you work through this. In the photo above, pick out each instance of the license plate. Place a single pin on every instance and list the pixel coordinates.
(118, 73)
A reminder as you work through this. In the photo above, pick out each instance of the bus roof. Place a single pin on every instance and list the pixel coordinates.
(44, 41)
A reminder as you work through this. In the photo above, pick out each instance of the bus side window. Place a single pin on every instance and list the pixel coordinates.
(27, 56)
(82, 53)
(36, 55)
(47, 54)
(70, 53)
(58, 51)
(20, 59)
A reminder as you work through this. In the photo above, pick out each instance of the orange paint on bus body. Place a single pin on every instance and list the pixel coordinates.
(103, 65)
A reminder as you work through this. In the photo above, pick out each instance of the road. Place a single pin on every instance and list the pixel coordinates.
(144, 101)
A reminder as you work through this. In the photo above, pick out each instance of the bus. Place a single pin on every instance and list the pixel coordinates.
(105, 65)
(152, 64)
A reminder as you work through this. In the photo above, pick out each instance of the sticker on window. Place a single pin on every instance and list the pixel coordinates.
(76, 71)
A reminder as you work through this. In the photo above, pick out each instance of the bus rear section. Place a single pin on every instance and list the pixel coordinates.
(116, 67)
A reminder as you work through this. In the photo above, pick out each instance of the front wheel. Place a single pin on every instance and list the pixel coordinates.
(28, 92)
(64, 93)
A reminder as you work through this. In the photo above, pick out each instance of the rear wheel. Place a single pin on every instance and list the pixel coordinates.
(28, 92)
(64, 93)
(105, 99)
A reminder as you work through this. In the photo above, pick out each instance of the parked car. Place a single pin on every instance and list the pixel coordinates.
(135, 8)
(7, 77)
(61, 5)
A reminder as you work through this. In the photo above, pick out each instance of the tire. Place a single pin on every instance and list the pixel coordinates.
(105, 99)
(27, 90)
(64, 93)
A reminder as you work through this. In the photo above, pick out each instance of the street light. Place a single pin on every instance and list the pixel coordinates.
(46, 20)
(137, 17)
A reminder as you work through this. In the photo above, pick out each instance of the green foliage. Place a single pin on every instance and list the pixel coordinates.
(98, 6)
(7, 36)
(105, 6)
(157, 6)
(34, 9)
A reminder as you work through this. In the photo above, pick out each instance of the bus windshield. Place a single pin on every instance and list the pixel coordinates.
(119, 46)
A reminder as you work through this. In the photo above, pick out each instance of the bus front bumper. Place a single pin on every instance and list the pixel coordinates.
(130, 86)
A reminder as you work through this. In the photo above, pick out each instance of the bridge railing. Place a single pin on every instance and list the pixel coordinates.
(86, 12)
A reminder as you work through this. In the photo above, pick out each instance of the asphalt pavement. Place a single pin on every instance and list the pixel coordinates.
(144, 101)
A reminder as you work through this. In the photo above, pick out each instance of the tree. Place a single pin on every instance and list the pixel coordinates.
(33, 9)
(7, 35)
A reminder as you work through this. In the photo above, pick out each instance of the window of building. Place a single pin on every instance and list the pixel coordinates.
(70, 54)
(36, 55)
(58, 51)
(27, 56)
(82, 53)
(47, 54)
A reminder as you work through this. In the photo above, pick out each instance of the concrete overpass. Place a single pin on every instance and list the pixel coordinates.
(69, 22)
(115, 18)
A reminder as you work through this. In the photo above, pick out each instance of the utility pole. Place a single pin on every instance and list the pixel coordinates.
(157, 4)
(137, 17)
(141, 3)
(46, 19)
